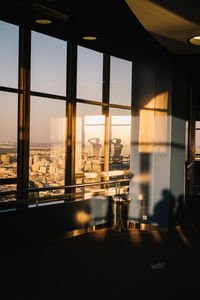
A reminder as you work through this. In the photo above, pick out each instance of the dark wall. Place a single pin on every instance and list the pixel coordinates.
(38, 223)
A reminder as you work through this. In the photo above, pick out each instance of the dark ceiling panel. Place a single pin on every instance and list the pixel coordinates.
(118, 31)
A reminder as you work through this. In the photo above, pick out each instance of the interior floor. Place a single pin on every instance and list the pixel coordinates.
(105, 264)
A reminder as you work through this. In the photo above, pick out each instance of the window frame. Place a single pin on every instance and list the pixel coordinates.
(24, 93)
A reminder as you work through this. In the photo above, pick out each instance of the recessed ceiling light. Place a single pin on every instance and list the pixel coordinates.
(89, 38)
(194, 40)
(43, 21)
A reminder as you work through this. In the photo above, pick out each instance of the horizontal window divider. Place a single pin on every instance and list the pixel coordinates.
(8, 181)
(91, 102)
(45, 95)
(120, 106)
(10, 90)
(103, 104)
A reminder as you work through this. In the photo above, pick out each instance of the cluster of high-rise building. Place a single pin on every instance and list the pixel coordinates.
(47, 168)
(8, 165)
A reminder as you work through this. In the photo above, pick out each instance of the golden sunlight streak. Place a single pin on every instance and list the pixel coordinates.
(153, 120)
(82, 217)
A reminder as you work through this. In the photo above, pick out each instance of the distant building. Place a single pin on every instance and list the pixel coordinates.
(5, 159)
(36, 158)
(43, 170)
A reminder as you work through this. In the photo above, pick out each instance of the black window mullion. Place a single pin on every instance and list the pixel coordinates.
(24, 110)
(105, 110)
(71, 113)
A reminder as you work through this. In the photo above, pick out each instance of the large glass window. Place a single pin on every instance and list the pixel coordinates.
(9, 37)
(8, 134)
(48, 81)
(120, 139)
(47, 142)
(120, 81)
(89, 74)
(89, 142)
(48, 64)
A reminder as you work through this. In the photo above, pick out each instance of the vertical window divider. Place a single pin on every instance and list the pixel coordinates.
(133, 108)
(105, 109)
(23, 111)
(71, 115)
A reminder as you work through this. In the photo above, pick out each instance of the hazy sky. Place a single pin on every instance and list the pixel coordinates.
(8, 117)
(48, 75)
(9, 36)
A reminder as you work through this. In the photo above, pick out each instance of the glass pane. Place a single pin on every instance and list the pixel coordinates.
(90, 125)
(120, 81)
(9, 36)
(8, 134)
(197, 123)
(197, 140)
(47, 143)
(48, 64)
(120, 139)
(89, 74)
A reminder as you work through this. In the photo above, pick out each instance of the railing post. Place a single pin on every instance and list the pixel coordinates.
(83, 192)
(117, 187)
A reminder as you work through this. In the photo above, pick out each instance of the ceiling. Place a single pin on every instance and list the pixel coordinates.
(124, 28)
(171, 23)
(117, 29)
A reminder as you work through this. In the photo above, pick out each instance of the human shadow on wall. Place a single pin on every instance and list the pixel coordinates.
(163, 209)
(169, 211)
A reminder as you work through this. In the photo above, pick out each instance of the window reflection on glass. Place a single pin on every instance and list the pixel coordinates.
(186, 140)
(120, 81)
(47, 143)
(146, 127)
(120, 139)
(197, 140)
(90, 125)
(48, 64)
(9, 36)
(153, 125)
(7, 188)
(89, 74)
(8, 134)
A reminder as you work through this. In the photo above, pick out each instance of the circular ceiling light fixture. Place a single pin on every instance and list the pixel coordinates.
(89, 38)
(43, 21)
(194, 40)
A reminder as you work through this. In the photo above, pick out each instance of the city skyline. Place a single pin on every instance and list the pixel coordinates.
(47, 167)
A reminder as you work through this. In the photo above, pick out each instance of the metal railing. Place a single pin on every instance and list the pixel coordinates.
(73, 195)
